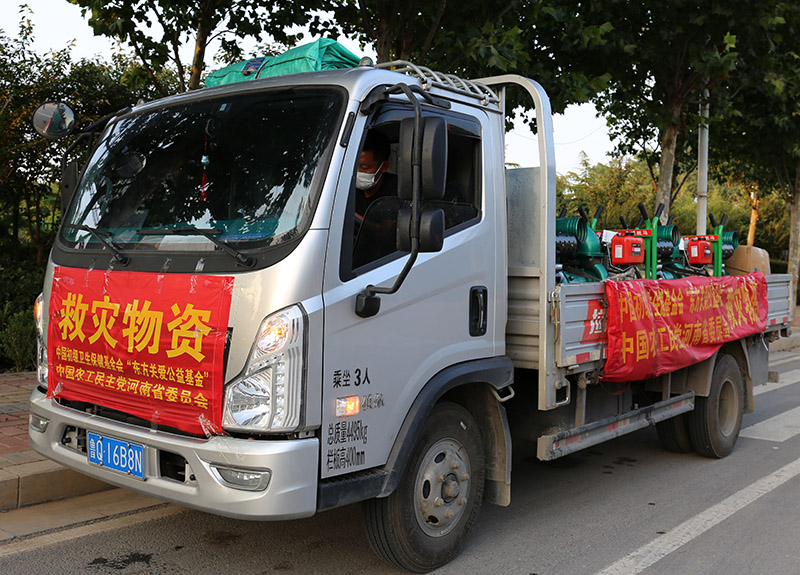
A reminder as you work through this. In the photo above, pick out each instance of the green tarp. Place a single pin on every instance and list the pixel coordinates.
(323, 54)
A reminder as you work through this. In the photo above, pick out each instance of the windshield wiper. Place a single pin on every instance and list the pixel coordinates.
(208, 233)
(102, 237)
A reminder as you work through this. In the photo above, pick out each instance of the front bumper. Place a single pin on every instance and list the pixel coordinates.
(292, 464)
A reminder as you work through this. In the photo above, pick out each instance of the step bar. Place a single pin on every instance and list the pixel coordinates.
(563, 443)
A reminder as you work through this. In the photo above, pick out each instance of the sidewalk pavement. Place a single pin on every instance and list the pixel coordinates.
(27, 478)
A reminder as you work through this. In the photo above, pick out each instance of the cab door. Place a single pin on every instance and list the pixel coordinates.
(374, 367)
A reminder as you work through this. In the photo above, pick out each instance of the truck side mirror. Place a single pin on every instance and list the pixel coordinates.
(69, 179)
(53, 120)
(434, 158)
(431, 229)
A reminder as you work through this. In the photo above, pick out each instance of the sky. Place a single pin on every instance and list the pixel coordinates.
(58, 24)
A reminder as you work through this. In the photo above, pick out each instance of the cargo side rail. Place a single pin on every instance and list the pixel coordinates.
(779, 299)
(580, 315)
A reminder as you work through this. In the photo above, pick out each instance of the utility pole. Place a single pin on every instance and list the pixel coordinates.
(702, 166)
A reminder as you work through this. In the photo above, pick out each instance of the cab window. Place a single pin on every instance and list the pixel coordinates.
(371, 227)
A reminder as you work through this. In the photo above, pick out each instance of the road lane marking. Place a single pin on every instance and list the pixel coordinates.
(778, 428)
(788, 378)
(659, 548)
(782, 360)
(33, 543)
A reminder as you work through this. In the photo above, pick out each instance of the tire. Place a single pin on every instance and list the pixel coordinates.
(716, 420)
(423, 524)
(673, 434)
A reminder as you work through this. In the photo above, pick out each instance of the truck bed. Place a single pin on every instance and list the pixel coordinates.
(577, 310)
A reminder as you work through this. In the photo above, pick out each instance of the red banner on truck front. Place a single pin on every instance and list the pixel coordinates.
(659, 326)
(147, 344)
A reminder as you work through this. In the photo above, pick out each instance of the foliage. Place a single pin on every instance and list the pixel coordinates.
(477, 39)
(29, 202)
(473, 39)
(624, 182)
(20, 283)
(760, 140)
(26, 80)
(18, 337)
(30, 166)
(618, 187)
(661, 61)
(156, 30)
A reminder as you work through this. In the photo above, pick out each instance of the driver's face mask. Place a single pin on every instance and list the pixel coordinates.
(365, 180)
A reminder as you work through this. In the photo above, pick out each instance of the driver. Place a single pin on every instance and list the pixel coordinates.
(372, 179)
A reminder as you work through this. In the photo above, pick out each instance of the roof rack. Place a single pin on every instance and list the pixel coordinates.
(449, 82)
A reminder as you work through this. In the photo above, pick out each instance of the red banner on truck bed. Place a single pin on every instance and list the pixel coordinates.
(148, 344)
(658, 326)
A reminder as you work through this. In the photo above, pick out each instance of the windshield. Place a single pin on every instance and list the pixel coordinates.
(243, 168)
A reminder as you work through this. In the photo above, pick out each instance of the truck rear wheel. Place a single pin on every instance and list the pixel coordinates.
(673, 434)
(716, 420)
(423, 524)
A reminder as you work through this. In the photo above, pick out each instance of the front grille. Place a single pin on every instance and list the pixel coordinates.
(120, 416)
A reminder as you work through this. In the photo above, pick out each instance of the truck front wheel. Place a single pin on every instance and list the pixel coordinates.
(716, 420)
(423, 523)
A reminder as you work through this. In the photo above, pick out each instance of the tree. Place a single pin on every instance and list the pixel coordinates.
(29, 202)
(761, 138)
(472, 39)
(156, 30)
(476, 39)
(427, 30)
(26, 80)
(30, 166)
(660, 62)
(619, 186)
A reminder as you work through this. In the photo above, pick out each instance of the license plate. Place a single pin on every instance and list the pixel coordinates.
(121, 456)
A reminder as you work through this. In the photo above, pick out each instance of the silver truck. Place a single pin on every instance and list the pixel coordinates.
(384, 359)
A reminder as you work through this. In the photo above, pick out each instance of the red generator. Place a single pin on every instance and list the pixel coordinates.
(699, 251)
(627, 249)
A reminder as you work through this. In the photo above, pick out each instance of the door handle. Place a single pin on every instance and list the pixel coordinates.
(478, 310)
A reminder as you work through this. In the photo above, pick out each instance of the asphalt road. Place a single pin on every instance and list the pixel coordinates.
(624, 507)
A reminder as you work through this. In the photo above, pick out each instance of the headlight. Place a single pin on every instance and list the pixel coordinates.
(41, 345)
(37, 313)
(268, 396)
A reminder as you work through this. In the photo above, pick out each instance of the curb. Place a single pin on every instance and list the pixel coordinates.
(27, 478)
(42, 481)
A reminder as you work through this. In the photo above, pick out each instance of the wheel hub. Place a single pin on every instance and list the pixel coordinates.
(450, 489)
(442, 487)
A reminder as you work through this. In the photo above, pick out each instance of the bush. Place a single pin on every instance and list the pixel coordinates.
(778, 266)
(20, 283)
(18, 337)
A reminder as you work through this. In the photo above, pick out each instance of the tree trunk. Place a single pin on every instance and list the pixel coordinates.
(794, 235)
(383, 41)
(669, 142)
(203, 29)
(751, 231)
